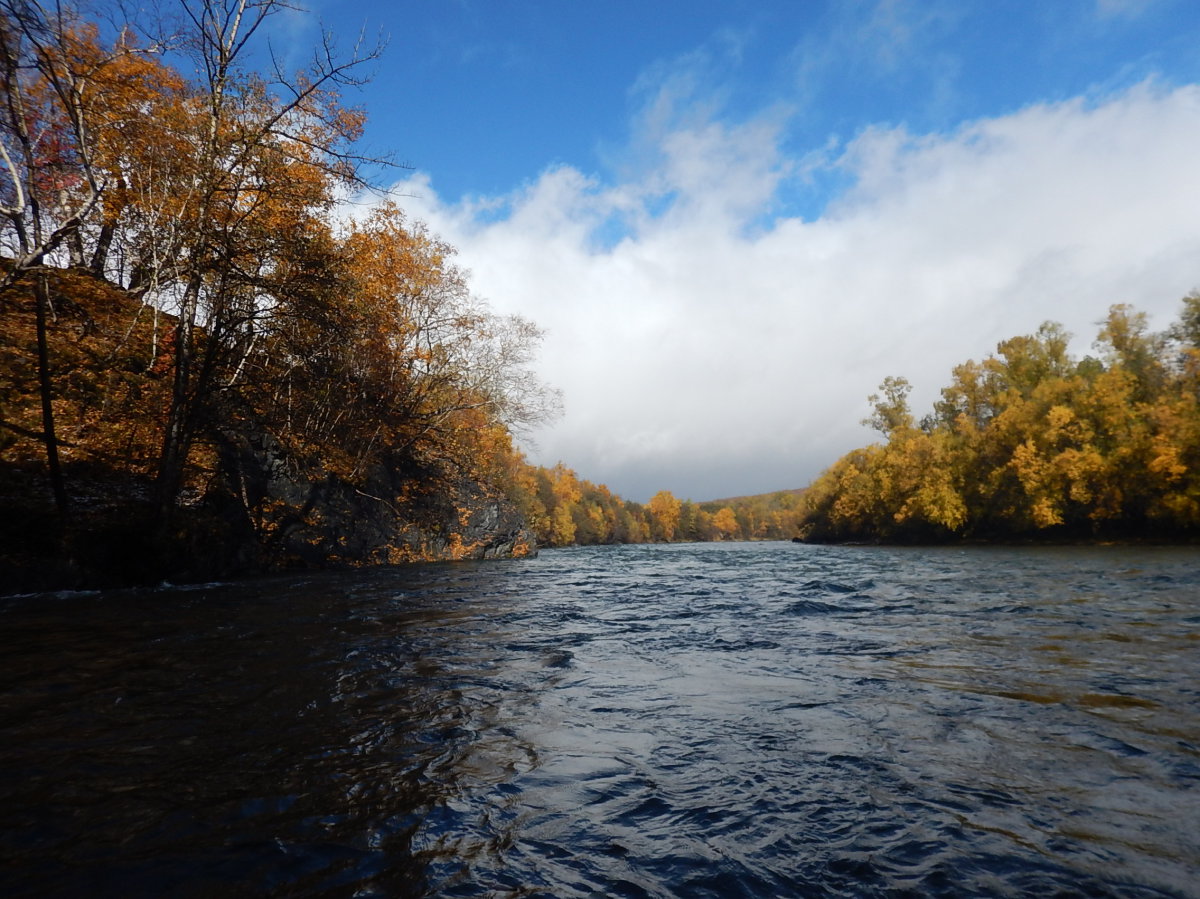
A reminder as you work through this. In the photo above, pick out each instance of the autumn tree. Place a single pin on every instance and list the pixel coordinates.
(260, 330)
(664, 510)
(266, 156)
(194, 181)
(725, 523)
(55, 75)
(890, 406)
(1031, 441)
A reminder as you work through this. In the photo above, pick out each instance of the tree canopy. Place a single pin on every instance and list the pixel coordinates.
(1032, 442)
(180, 281)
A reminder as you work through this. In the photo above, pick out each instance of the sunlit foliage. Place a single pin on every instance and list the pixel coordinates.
(182, 303)
(565, 510)
(1031, 442)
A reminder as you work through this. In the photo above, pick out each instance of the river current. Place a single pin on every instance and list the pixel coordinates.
(764, 719)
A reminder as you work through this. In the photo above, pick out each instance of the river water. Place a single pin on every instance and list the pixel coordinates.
(762, 719)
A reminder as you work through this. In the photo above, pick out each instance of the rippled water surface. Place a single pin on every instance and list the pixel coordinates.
(696, 720)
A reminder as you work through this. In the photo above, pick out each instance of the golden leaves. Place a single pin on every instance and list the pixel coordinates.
(1031, 440)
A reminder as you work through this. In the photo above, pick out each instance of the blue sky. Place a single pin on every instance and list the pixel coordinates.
(486, 94)
(734, 219)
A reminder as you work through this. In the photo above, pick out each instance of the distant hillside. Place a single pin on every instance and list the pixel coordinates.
(796, 492)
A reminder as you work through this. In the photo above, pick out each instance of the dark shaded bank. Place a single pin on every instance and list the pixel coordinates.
(257, 492)
(112, 538)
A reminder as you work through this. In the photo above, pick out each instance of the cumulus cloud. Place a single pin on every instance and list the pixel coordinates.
(710, 344)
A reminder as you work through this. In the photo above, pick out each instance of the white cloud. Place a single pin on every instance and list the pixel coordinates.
(1122, 8)
(707, 353)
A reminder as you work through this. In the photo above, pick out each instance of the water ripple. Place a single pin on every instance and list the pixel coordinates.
(716, 720)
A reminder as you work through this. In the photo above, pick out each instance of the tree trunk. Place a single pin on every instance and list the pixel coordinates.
(177, 435)
(49, 434)
(99, 261)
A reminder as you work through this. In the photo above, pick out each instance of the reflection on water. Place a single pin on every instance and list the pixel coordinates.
(729, 720)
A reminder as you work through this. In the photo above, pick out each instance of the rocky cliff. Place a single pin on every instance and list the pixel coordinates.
(242, 526)
(255, 497)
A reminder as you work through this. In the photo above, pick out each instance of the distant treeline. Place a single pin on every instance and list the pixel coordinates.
(1032, 443)
(564, 510)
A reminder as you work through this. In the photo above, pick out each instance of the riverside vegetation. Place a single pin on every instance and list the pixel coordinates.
(206, 368)
(1033, 443)
(203, 368)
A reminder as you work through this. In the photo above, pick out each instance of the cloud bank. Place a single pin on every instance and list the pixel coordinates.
(711, 340)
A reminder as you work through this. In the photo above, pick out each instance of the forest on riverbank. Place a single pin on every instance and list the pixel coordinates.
(210, 366)
(565, 510)
(1032, 443)
(205, 359)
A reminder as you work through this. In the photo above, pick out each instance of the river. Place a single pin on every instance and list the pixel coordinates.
(766, 719)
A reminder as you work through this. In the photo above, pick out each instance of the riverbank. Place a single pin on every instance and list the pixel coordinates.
(111, 536)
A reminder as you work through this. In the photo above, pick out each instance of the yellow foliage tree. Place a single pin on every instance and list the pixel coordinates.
(664, 511)
(1032, 441)
(725, 523)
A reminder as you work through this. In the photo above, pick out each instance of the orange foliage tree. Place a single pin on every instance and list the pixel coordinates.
(1032, 442)
(251, 314)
